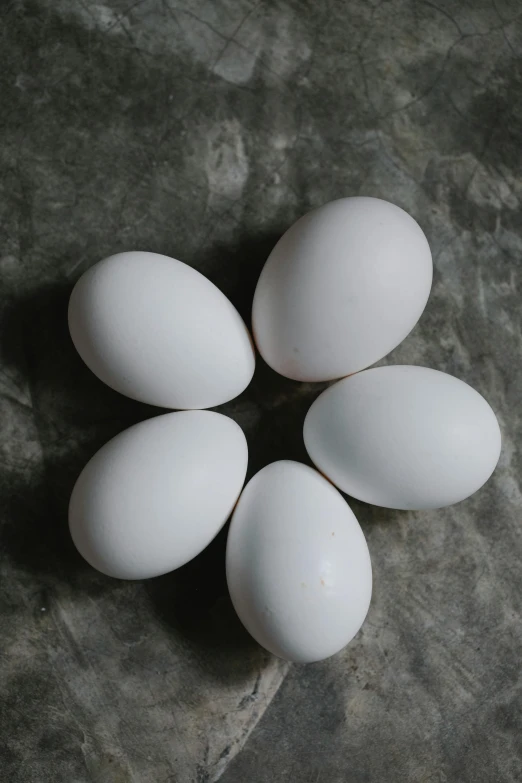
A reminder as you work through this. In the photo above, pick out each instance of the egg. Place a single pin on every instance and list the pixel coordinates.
(158, 331)
(403, 437)
(298, 566)
(156, 495)
(341, 289)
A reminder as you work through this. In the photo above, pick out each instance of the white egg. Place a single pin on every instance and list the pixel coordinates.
(158, 493)
(403, 437)
(341, 289)
(298, 566)
(160, 332)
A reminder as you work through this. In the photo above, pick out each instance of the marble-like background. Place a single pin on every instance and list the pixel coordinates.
(202, 130)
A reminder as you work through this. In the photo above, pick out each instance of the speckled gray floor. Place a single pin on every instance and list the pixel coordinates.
(202, 130)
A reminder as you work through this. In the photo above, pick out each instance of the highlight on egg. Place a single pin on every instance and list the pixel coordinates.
(342, 287)
(156, 495)
(403, 437)
(158, 331)
(298, 567)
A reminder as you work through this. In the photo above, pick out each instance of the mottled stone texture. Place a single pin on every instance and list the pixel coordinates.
(202, 130)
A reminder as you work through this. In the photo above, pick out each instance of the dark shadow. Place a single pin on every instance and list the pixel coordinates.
(235, 269)
(63, 414)
(195, 603)
(279, 431)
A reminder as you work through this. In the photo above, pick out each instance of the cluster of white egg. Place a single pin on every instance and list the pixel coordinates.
(342, 288)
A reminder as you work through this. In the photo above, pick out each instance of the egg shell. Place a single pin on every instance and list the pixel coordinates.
(298, 566)
(158, 331)
(342, 288)
(403, 437)
(156, 495)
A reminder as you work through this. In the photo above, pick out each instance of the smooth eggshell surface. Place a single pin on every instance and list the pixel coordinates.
(158, 331)
(298, 566)
(403, 437)
(341, 289)
(158, 493)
